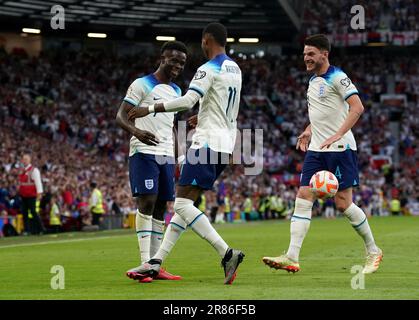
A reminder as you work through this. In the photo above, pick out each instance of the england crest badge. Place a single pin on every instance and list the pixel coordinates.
(149, 184)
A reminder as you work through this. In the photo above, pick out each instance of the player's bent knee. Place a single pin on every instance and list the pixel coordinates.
(181, 208)
(159, 210)
(145, 206)
(342, 208)
(305, 193)
(342, 203)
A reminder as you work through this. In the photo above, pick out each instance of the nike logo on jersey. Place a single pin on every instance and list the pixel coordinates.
(156, 98)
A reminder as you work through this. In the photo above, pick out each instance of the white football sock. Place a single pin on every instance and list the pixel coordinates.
(300, 223)
(173, 232)
(156, 235)
(143, 227)
(199, 223)
(359, 222)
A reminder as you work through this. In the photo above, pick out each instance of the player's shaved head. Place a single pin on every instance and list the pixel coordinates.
(217, 31)
(319, 41)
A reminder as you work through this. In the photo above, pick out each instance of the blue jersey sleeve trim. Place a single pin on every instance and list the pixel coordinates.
(199, 91)
(130, 101)
(349, 94)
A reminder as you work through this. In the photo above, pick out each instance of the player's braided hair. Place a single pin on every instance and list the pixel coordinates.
(218, 31)
(174, 45)
(320, 41)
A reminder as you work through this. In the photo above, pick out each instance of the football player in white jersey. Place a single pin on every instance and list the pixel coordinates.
(334, 107)
(217, 86)
(151, 155)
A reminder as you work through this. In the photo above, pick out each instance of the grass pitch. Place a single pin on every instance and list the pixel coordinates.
(95, 264)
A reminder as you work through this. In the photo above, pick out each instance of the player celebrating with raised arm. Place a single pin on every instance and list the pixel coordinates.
(151, 161)
(333, 108)
(217, 85)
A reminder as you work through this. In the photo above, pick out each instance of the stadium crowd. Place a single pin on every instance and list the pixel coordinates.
(61, 107)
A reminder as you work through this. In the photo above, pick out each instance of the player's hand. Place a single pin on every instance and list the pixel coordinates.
(303, 140)
(146, 137)
(193, 121)
(328, 142)
(137, 112)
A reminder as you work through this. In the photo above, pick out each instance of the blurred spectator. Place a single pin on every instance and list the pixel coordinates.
(30, 191)
(96, 204)
(54, 215)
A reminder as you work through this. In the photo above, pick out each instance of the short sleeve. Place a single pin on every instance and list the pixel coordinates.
(344, 86)
(202, 80)
(135, 93)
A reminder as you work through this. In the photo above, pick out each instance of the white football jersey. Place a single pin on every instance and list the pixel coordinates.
(219, 83)
(147, 91)
(328, 109)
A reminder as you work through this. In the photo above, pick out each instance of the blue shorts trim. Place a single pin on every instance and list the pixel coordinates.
(202, 167)
(148, 174)
(343, 164)
(197, 90)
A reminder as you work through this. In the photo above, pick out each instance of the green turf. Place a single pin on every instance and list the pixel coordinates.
(95, 268)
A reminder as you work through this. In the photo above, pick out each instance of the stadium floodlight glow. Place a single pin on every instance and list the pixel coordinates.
(96, 35)
(249, 40)
(231, 39)
(30, 30)
(165, 38)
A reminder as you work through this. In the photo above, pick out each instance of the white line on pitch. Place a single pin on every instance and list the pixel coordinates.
(57, 242)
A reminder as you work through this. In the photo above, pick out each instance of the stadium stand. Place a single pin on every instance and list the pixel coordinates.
(61, 106)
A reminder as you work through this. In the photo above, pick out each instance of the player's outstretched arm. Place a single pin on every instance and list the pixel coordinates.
(122, 120)
(185, 102)
(355, 111)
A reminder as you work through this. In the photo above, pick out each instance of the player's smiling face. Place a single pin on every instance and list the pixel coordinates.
(174, 63)
(314, 58)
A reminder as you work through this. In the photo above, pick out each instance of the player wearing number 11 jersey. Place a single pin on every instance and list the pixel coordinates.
(217, 86)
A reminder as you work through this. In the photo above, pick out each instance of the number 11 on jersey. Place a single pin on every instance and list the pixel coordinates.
(231, 98)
